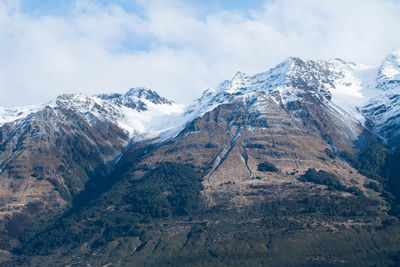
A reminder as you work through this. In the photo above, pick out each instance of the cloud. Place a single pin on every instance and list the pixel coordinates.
(176, 47)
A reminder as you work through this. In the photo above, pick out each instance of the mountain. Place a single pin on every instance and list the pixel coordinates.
(383, 110)
(312, 92)
(285, 167)
(50, 153)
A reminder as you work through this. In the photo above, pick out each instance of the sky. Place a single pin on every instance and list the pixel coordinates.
(177, 47)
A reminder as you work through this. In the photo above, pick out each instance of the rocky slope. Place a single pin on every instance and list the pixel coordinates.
(51, 153)
(232, 140)
(310, 91)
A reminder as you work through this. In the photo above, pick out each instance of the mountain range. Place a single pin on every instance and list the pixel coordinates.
(298, 165)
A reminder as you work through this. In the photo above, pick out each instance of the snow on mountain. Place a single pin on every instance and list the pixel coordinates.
(157, 117)
(384, 113)
(337, 83)
(136, 98)
(12, 114)
(389, 72)
(142, 113)
(383, 106)
(350, 91)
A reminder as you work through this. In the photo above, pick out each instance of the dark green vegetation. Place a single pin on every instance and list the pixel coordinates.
(159, 218)
(374, 186)
(329, 153)
(323, 177)
(372, 162)
(170, 189)
(267, 167)
(82, 171)
(394, 175)
(286, 232)
(379, 163)
(394, 181)
(328, 179)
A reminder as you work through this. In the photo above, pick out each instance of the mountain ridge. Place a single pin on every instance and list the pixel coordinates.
(328, 80)
(286, 151)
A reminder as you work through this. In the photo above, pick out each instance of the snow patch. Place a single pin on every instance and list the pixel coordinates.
(12, 114)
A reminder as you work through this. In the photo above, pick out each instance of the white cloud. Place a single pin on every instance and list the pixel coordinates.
(178, 49)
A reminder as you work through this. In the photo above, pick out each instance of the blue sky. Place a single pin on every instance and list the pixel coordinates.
(62, 7)
(176, 47)
(59, 6)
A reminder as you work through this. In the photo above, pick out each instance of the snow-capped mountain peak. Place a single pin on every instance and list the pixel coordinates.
(136, 98)
(341, 86)
(383, 107)
(336, 86)
(237, 83)
(141, 112)
(289, 81)
(389, 72)
(12, 114)
(147, 94)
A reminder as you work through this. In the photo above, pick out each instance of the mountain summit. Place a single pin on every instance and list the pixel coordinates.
(389, 72)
